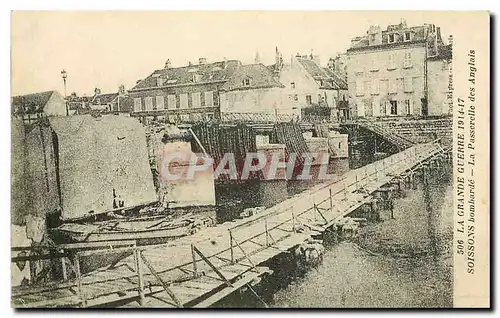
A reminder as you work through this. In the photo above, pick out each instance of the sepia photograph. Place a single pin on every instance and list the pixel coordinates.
(249, 159)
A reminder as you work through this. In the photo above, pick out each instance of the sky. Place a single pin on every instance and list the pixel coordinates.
(105, 49)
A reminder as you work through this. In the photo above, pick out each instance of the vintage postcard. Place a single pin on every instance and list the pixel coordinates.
(247, 159)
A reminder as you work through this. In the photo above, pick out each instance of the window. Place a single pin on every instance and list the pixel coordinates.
(407, 61)
(308, 99)
(137, 104)
(374, 65)
(184, 101)
(172, 102)
(196, 78)
(159, 81)
(392, 38)
(361, 109)
(160, 103)
(216, 99)
(375, 108)
(408, 107)
(359, 66)
(359, 87)
(394, 107)
(393, 88)
(392, 61)
(383, 108)
(196, 100)
(375, 87)
(292, 85)
(209, 99)
(407, 36)
(246, 82)
(408, 84)
(149, 103)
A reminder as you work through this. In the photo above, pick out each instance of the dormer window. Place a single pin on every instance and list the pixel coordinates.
(159, 81)
(407, 36)
(246, 82)
(196, 78)
(392, 38)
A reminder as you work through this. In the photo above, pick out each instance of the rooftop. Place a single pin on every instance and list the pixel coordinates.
(31, 103)
(251, 76)
(189, 75)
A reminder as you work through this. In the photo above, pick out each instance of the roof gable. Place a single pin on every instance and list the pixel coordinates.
(325, 78)
(251, 76)
(103, 99)
(30, 103)
(190, 75)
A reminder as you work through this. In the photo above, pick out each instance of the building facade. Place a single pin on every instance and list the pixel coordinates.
(390, 72)
(117, 103)
(183, 94)
(252, 93)
(310, 88)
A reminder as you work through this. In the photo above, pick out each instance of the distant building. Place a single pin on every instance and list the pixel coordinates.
(252, 93)
(311, 88)
(32, 107)
(394, 72)
(78, 105)
(188, 93)
(339, 65)
(117, 103)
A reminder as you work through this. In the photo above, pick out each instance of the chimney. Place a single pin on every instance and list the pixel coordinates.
(97, 91)
(225, 62)
(121, 90)
(202, 60)
(168, 64)
(190, 64)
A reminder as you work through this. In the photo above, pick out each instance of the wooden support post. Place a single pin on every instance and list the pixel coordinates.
(267, 232)
(331, 200)
(79, 280)
(212, 266)
(160, 280)
(231, 246)
(63, 266)
(195, 269)
(138, 270)
(257, 296)
(321, 214)
(293, 221)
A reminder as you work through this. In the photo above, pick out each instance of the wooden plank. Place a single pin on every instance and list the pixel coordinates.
(227, 291)
(200, 285)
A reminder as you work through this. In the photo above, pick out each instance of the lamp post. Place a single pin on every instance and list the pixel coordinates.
(64, 75)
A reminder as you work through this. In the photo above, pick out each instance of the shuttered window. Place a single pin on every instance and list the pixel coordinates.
(184, 100)
(149, 103)
(160, 103)
(137, 104)
(408, 84)
(407, 61)
(172, 102)
(209, 99)
(196, 100)
(359, 87)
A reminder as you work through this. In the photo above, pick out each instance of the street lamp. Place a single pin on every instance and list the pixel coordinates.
(64, 75)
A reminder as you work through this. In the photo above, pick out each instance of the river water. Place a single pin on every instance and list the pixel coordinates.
(404, 260)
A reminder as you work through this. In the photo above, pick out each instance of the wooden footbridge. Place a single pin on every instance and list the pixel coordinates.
(201, 269)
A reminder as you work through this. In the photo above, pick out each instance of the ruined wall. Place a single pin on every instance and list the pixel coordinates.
(421, 130)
